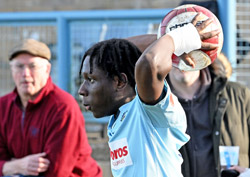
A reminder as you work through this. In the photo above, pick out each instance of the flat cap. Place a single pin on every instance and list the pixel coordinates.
(32, 47)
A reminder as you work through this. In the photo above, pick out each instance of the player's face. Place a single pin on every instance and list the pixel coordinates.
(184, 77)
(30, 74)
(98, 91)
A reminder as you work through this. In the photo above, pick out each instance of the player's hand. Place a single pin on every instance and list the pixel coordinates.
(200, 26)
(28, 165)
(188, 60)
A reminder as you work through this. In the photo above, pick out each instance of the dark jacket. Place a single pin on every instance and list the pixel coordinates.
(229, 112)
(230, 115)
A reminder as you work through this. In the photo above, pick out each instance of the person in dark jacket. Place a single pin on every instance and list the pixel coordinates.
(42, 130)
(217, 110)
(218, 114)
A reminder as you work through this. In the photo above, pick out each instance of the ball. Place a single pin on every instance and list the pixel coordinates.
(183, 15)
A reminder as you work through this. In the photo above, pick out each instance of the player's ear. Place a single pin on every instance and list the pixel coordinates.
(121, 82)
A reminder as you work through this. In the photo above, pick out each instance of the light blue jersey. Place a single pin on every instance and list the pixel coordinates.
(145, 140)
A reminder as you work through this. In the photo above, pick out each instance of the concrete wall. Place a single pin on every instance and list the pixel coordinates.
(64, 5)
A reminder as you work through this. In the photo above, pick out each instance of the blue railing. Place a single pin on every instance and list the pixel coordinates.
(71, 28)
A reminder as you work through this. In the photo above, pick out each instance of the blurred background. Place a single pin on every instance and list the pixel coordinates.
(70, 27)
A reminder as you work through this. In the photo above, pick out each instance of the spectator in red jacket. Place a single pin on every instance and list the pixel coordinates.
(42, 130)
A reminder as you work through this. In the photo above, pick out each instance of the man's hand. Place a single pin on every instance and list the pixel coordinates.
(244, 172)
(28, 165)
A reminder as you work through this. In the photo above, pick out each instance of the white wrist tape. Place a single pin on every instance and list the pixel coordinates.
(186, 39)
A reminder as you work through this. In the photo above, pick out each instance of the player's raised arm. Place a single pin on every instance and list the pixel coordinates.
(156, 62)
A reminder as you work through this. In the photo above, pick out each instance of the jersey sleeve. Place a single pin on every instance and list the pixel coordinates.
(167, 117)
(168, 112)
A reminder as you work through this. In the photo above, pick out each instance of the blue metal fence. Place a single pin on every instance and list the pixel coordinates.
(227, 11)
(70, 33)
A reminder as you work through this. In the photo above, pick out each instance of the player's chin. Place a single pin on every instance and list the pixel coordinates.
(101, 113)
(97, 114)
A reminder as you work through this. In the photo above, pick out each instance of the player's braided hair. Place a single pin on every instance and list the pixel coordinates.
(114, 56)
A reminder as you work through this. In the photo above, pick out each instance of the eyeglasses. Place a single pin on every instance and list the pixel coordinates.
(18, 67)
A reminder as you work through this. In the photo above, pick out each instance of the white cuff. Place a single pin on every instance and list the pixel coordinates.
(186, 39)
